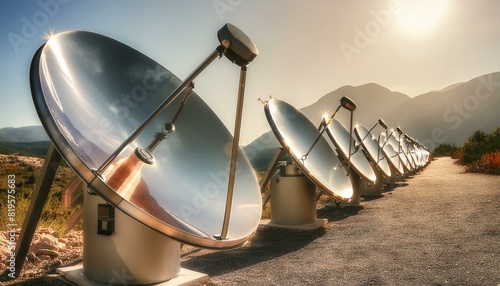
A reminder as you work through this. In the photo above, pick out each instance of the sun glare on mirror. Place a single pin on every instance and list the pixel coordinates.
(48, 35)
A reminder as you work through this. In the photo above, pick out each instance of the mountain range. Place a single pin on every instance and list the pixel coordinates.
(23, 134)
(28, 140)
(447, 116)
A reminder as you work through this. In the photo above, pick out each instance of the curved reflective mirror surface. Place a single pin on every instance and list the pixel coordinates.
(417, 155)
(392, 155)
(399, 148)
(425, 155)
(297, 134)
(371, 146)
(91, 92)
(341, 138)
(408, 153)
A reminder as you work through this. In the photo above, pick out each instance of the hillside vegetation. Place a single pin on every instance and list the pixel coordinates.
(480, 153)
(32, 149)
(26, 172)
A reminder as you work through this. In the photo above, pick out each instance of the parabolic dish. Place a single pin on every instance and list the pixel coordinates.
(425, 155)
(296, 133)
(413, 158)
(416, 154)
(371, 145)
(407, 151)
(91, 92)
(392, 155)
(420, 154)
(341, 138)
(402, 156)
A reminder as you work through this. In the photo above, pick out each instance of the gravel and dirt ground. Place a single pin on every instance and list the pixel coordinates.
(441, 226)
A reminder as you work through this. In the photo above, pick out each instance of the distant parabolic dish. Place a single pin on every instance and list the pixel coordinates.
(297, 134)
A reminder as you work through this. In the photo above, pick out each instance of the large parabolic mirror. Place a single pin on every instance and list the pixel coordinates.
(341, 138)
(396, 145)
(377, 151)
(92, 92)
(308, 149)
(392, 155)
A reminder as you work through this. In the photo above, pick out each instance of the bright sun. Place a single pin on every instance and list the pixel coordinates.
(418, 16)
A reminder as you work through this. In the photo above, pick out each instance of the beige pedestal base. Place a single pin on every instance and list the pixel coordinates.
(73, 275)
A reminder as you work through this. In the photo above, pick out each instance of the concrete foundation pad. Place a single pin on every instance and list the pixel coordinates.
(320, 222)
(73, 275)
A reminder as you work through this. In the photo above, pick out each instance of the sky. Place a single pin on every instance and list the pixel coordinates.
(306, 48)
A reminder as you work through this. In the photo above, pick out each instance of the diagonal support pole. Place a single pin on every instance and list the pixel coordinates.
(234, 153)
(38, 200)
(218, 52)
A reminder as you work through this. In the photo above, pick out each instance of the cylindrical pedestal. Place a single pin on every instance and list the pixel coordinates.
(293, 197)
(394, 178)
(375, 189)
(356, 188)
(129, 253)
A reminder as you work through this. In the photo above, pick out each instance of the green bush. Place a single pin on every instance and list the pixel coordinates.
(479, 144)
(444, 150)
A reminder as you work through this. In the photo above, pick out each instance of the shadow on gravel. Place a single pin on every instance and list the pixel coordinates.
(394, 186)
(268, 243)
(372, 197)
(336, 214)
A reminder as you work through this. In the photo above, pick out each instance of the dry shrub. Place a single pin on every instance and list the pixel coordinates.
(489, 163)
(459, 156)
(491, 160)
(11, 168)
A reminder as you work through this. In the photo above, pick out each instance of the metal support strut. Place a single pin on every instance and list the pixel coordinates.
(218, 52)
(234, 153)
(346, 103)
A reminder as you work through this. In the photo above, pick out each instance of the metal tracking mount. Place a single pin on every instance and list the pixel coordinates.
(292, 195)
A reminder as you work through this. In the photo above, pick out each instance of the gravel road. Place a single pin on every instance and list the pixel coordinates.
(441, 226)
